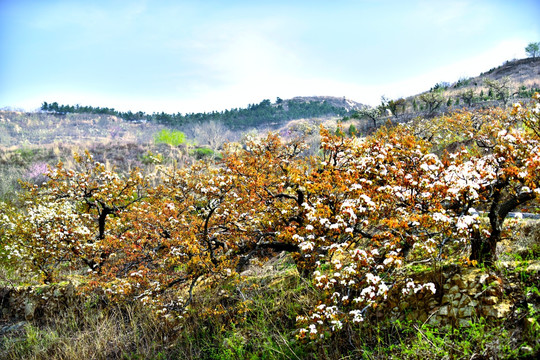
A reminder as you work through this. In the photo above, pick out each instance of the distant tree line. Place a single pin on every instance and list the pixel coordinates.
(264, 113)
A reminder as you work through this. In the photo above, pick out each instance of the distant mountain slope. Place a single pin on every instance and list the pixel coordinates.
(521, 75)
(515, 80)
(263, 114)
(520, 71)
(339, 102)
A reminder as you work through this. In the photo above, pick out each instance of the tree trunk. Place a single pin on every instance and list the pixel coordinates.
(483, 250)
(101, 221)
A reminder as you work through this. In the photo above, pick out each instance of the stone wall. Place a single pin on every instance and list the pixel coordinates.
(461, 296)
(32, 302)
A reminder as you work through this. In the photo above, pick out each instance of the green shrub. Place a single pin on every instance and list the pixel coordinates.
(171, 137)
(204, 152)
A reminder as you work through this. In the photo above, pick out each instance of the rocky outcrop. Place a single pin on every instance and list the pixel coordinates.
(340, 102)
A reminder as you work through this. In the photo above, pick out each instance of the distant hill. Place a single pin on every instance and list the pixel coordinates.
(264, 114)
(522, 78)
(515, 80)
(523, 71)
(338, 102)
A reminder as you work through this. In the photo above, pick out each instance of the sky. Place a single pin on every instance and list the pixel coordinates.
(202, 56)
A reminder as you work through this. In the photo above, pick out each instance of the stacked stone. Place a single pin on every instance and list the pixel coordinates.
(29, 302)
(472, 294)
(463, 297)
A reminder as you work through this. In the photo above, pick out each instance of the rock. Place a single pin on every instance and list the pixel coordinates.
(471, 276)
(474, 288)
(422, 317)
(434, 320)
(443, 310)
(533, 267)
(462, 284)
(11, 328)
(500, 310)
(525, 349)
(464, 322)
(492, 291)
(459, 282)
(447, 286)
(412, 316)
(465, 300)
(446, 299)
(491, 300)
(29, 309)
(513, 286)
(466, 311)
(451, 299)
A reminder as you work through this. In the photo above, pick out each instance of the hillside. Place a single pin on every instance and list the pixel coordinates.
(522, 71)
(518, 80)
(60, 130)
(337, 102)
(518, 73)
(263, 114)
(31, 141)
(514, 81)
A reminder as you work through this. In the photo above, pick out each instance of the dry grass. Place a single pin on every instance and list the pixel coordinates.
(253, 317)
(522, 240)
(86, 332)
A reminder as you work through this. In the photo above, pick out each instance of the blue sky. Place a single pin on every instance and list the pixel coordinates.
(192, 56)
